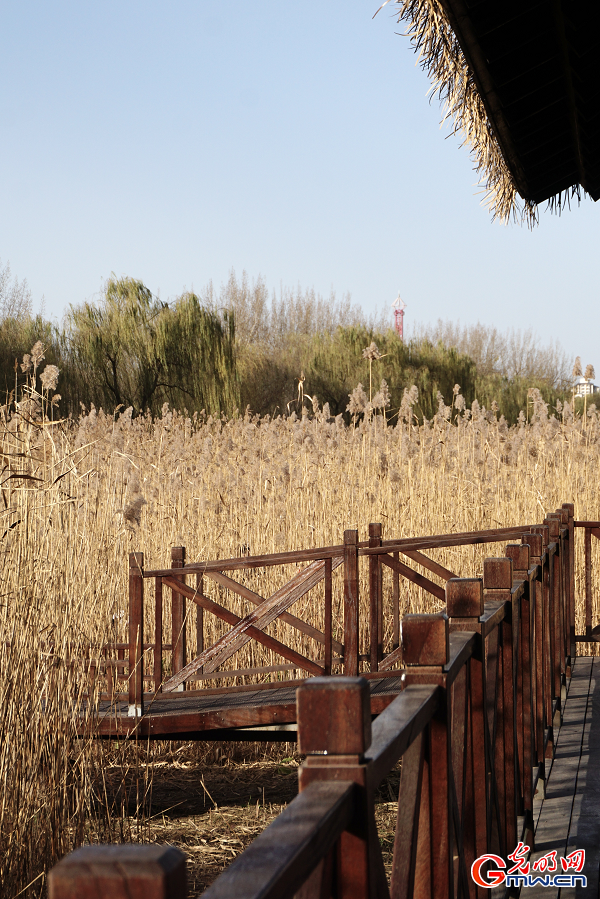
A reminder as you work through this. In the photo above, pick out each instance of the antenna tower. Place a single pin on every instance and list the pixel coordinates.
(399, 306)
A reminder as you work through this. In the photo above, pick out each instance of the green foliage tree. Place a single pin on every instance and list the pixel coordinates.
(334, 363)
(17, 336)
(19, 330)
(131, 349)
(337, 365)
(134, 350)
(513, 394)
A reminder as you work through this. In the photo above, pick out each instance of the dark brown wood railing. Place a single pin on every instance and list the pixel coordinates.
(335, 656)
(475, 725)
(591, 529)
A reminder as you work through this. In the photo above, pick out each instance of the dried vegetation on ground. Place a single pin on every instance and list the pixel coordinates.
(78, 495)
(213, 802)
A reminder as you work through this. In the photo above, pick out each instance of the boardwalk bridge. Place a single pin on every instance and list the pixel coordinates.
(487, 703)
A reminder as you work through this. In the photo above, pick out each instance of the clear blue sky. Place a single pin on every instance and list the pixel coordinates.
(173, 142)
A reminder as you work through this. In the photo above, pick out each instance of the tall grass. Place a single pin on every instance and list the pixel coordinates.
(78, 495)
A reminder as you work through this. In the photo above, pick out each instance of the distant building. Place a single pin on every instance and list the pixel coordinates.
(584, 386)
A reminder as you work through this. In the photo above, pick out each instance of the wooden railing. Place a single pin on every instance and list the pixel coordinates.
(475, 726)
(591, 529)
(335, 656)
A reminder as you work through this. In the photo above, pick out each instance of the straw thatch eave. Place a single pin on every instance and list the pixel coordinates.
(518, 80)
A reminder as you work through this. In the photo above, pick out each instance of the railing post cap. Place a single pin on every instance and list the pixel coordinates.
(136, 561)
(544, 531)
(464, 597)
(520, 556)
(425, 639)
(178, 553)
(537, 541)
(334, 716)
(498, 573)
(553, 524)
(155, 871)
(350, 536)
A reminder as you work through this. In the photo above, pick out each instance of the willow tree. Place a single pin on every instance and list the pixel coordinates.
(132, 349)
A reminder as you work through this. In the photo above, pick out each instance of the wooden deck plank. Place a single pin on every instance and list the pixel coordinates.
(562, 820)
(195, 716)
(585, 817)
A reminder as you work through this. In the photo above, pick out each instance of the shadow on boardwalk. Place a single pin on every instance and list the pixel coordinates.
(569, 817)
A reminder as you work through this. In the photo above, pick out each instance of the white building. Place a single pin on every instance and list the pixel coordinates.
(584, 386)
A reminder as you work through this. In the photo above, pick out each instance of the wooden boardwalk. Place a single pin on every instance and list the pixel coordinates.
(483, 702)
(569, 817)
(230, 713)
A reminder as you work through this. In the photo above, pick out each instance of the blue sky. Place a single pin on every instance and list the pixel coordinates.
(174, 142)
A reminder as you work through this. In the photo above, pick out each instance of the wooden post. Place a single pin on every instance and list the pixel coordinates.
(178, 626)
(521, 556)
(572, 644)
(554, 562)
(423, 854)
(564, 587)
(115, 872)
(498, 580)
(351, 633)
(91, 671)
(120, 669)
(526, 662)
(588, 580)
(158, 634)
(199, 620)
(109, 670)
(380, 605)
(396, 603)
(536, 549)
(542, 666)
(136, 635)
(328, 619)
(334, 730)
(464, 606)
(522, 559)
(375, 600)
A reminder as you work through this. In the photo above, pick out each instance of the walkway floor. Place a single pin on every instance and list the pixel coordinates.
(569, 817)
(212, 714)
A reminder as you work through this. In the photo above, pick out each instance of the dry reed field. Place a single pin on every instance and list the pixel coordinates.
(79, 495)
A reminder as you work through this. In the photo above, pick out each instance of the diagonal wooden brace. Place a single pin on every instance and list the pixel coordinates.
(252, 625)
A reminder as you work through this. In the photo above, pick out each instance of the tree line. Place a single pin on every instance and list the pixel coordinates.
(241, 347)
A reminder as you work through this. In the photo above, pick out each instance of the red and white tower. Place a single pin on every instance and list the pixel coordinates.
(399, 306)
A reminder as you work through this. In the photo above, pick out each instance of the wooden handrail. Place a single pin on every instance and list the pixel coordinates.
(264, 561)
(397, 727)
(464, 538)
(278, 862)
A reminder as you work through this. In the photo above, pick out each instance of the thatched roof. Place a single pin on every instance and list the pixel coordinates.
(519, 79)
